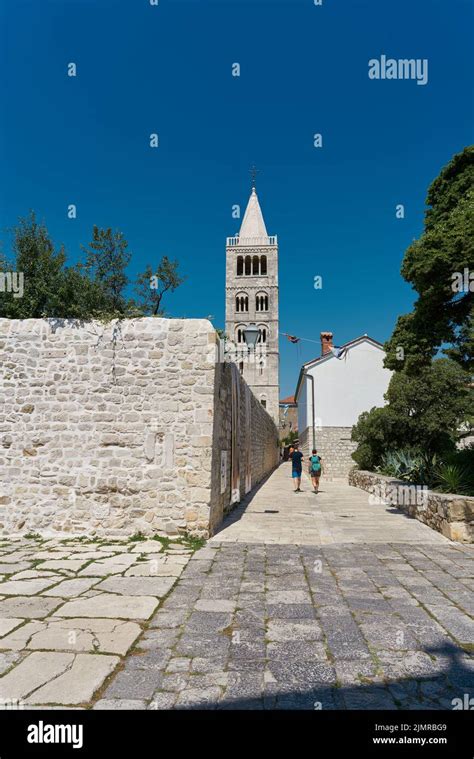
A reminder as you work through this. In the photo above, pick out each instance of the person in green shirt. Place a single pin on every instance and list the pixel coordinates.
(315, 469)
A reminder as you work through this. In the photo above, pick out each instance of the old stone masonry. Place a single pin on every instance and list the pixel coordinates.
(299, 601)
(111, 429)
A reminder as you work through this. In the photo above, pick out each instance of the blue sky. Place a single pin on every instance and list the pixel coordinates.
(304, 70)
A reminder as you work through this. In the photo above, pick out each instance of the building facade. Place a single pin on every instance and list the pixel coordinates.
(288, 416)
(346, 381)
(252, 298)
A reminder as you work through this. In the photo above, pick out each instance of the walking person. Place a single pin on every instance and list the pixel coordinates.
(315, 469)
(297, 468)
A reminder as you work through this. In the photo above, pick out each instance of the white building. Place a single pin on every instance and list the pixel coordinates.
(347, 381)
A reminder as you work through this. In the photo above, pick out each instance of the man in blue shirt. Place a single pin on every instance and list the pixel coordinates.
(297, 467)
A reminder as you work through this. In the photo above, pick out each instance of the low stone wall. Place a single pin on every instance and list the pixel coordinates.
(451, 515)
(335, 447)
(110, 429)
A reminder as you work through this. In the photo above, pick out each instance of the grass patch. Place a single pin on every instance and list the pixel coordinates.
(189, 541)
(165, 542)
(82, 539)
(138, 536)
(33, 536)
(186, 541)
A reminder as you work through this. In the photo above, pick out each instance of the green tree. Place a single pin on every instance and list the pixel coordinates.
(442, 313)
(430, 402)
(107, 258)
(93, 289)
(152, 285)
(462, 349)
(423, 411)
(42, 269)
(290, 438)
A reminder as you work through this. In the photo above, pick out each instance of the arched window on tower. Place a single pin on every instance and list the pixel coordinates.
(263, 265)
(242, 303)
(262, 335)
(255, 265)
(261, 302)
(240, 335)
(263, 401)
(240, 266)
(248, 265)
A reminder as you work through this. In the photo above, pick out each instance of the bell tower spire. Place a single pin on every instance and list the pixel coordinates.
(252, 298)
(253, 225)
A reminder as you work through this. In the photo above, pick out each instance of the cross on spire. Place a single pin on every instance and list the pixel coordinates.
(253, 173)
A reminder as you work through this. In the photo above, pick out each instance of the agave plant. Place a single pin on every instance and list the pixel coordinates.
(410, 464)
(455, 478)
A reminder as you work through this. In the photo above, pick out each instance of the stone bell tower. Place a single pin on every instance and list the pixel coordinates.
(252, 298)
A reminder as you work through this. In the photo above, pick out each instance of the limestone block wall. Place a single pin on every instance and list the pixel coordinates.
(450, 514)
(335, 447)
(107, 428)
(259, 437)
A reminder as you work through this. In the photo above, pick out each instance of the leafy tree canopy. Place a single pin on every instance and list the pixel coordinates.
(152, 285)
(425, 411)
(94, 288)
(442, 313)
(430, 403)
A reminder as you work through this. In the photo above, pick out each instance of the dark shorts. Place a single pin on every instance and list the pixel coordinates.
(296, 473)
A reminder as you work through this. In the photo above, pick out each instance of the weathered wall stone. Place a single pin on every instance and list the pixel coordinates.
(335, 447)
(452, 515)
(107, 429)
(260, 436)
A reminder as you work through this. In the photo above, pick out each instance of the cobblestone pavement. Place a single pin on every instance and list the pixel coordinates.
(70, 610)
(378, 616)
(294, 604)
(383, 626)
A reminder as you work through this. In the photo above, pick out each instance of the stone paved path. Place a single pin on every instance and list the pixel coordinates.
(327, 603)
(303, 610)
(70, 610)
(338, 514)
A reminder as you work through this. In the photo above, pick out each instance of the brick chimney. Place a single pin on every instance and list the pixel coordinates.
(326, 342)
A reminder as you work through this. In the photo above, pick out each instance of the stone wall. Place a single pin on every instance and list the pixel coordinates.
(335, 447)
(260, 436)
(451, 515)
(108, 429)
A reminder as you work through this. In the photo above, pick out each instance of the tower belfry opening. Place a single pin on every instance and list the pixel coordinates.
(252, 298)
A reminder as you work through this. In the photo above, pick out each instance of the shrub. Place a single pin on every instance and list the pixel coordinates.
(410, 464)
(455, 478)
(450, 472)
(373, 431)
(423, 412)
